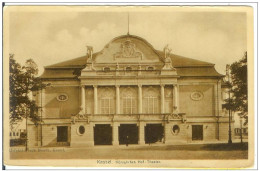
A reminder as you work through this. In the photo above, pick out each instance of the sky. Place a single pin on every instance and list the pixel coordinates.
(49, 36)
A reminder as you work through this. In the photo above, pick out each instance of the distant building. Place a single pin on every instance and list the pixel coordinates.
(18, 130)
(239, 125)
(129, 93)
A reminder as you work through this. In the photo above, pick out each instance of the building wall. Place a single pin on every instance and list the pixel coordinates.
(32, 135)
(178, 138)
(61, 109)
(49, 134)
(203, 107)
(89, 94)
(86, 139)
(223, 130)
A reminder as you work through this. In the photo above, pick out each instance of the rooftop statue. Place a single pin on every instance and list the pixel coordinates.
(167, 58)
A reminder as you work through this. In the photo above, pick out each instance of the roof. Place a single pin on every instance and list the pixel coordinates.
(198, 71)
(177, 61)
(59, 73)
(185, 66)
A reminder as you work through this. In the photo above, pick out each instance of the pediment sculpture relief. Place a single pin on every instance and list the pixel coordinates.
(128, 50)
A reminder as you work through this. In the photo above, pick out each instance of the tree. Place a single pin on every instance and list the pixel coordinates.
(239, 96)
(22, 81)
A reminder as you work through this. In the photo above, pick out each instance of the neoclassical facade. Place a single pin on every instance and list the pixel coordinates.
(129, 93)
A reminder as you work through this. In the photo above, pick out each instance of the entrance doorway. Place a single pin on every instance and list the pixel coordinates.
(62, 134)
(103, 134)
(128, 134)
(197, 132)
(154, 133)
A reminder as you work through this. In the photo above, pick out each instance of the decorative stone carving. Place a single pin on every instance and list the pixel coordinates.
(197, 95)
(89, 52)
(128, 51)
(167, 59)
(167, 51)
(62, 97)
(176, 116)
(89, 65)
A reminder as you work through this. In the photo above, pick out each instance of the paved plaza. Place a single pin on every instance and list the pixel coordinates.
(194, 151)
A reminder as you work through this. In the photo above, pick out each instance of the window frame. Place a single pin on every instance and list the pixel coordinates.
(103, 107)
(131, 108)
(154, 106)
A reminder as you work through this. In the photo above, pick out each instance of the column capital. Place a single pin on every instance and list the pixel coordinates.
(95, 86)
(139, 85)
(82, 86)
(162, 85)
(117, 86)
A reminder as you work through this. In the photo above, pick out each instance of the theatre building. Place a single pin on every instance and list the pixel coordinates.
(129, 93)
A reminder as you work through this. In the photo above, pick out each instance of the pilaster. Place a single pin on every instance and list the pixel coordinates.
(141, 140)
(162, 98)
(95, 99)
(140, 99)
(117, 99)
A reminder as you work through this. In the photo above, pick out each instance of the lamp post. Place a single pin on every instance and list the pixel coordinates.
(229, 120)
(26, 117)
(241, 119)
(229, 105)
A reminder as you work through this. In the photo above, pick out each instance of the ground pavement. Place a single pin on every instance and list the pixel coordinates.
(191, 151)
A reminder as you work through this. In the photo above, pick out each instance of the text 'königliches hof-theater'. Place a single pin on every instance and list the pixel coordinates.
(129, 93)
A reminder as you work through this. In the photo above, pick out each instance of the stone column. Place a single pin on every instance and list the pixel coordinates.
(117, 99)
(165, 139)
(43, 103)
(141, 133)
(95, 100)
(216, 99)
(140, 99)
(219, 97)
(115, 134)
(83, 102)
(176, 96)
(162, 98)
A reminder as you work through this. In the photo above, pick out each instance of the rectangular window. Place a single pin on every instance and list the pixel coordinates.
(151, 104)
(106, 105)
(197, 132)
(62, 133)
(128, 105)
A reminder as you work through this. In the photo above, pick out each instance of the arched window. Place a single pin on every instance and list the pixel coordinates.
(106, 105)
(129, 104)
(151, 104)
(150, 99)
(129, 99)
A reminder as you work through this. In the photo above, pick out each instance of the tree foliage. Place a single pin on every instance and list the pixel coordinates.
(22, 81)
(239, 96)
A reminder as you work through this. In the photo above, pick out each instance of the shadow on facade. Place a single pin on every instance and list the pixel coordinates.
(154, 133)
(128, 134)
(103, 134)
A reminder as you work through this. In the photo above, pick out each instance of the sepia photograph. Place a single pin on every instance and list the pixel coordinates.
(129, 86)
